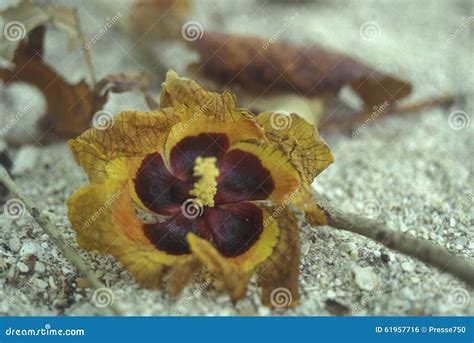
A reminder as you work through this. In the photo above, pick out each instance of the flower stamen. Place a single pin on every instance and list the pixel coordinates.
(206, 187)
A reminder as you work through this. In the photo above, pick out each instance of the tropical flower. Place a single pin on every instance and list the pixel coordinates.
(199, 182)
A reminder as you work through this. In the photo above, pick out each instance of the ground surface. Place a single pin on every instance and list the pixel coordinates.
(415, 173)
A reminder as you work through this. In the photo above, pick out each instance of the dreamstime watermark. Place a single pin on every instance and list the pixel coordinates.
(286, 24)
(103, 208)
(460, 29)
(103, 297)
(14, 208)
(11, 300)
(371, 209)
(46, 331)
(364, 303)
(377, 111)
(370, 30)
(178, 131)
(280, 120)
(192, 208)
(281, 297)
(14, 30)
(196, 294)
(192, 31)
(466, 201)
(459, 120)
(109, 22)
(103, 120)
(459, 297)
(20, 112)
(277, 211)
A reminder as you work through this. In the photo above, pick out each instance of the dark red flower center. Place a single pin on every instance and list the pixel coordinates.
(233, 225)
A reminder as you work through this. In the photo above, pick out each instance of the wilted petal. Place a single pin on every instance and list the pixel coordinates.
(300, 141)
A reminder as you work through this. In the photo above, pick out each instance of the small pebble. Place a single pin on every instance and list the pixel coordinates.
(349, 247)
(41, 284)
(365, 278)
(336, 308)
(51, 282)
(305, 248)
(408, 266)
(23, 268)
(15, 244)
(40, 267)
(28, 249)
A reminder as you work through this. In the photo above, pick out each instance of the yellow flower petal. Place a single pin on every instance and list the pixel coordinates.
(181, 273)
(278, 275)
(236, 271)
(103, 216)
(182, 91)
(235, 280)
(300, 141)
(132, 134)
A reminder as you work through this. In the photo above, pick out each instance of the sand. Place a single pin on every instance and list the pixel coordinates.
(414, 173)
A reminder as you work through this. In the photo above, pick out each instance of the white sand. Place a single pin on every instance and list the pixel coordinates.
(414, 173)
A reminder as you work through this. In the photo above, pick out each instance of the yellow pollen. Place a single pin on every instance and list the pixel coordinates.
(206, 187)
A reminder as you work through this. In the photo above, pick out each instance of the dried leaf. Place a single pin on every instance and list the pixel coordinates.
(263, 68)
(70, 107)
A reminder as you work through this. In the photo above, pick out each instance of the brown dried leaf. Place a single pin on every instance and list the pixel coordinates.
(70, 107)
(282, 67)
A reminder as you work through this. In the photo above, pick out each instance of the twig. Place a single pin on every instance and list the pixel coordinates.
(367, 117)
(413, 247)
(45, 224)
(87, 52)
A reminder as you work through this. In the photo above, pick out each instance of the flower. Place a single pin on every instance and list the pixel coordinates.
(199, 182)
